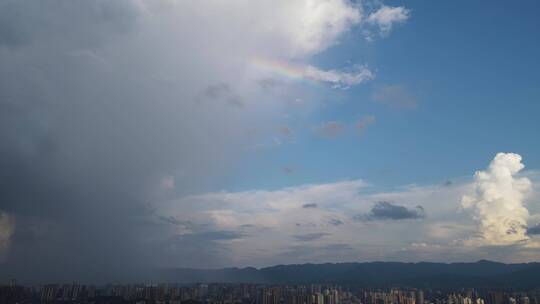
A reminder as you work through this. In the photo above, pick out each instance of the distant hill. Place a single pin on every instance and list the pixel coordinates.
(483, 273)
(442, 275)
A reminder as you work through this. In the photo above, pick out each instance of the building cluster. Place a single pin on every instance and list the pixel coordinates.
(313, 294)
(253, 294)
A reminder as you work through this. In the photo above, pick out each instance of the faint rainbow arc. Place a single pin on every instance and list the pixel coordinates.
(283, 68)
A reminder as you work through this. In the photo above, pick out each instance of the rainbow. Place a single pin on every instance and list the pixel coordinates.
(292, 71)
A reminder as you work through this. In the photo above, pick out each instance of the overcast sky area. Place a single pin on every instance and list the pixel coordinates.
(138, 134)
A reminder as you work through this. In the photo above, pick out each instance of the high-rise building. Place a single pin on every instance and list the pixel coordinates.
(420, 297)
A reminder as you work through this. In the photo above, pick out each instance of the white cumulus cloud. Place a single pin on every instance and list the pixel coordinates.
(386, 16)
(309, 25)
(498, 202)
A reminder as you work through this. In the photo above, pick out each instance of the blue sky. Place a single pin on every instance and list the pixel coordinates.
(471, 69)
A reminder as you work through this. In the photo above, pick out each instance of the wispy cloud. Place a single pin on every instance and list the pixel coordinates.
(285, 131)
(333, 129)
(330, 129)
(397, 96)
(216, 235)
(341, 79)
(310, 236)
(386, 17)
(364, 122)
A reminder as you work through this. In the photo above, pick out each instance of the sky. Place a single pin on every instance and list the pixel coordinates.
(140, 134)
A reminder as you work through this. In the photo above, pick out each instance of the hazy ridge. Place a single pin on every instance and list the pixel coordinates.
(423, 274)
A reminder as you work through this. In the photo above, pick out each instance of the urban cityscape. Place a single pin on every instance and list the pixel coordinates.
(219, 293)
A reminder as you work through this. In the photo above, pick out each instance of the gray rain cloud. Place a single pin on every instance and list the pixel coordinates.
(100, 122)
(388, 211)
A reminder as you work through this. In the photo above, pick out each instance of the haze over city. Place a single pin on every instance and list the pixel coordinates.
(138, 135)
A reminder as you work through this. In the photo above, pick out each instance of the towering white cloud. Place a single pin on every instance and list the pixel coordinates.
(498, 202)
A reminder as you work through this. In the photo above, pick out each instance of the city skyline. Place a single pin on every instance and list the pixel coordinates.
(260, 294)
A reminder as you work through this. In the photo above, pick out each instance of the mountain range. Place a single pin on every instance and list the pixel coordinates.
(371, 274)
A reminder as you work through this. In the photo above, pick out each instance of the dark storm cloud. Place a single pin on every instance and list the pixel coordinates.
(84, 145)
(388, 211)
(309, 205)
(310, 236)
(200, 249)
(24, 22)
(10, 33)
(534, 230)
